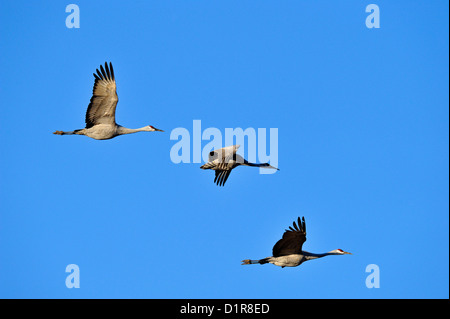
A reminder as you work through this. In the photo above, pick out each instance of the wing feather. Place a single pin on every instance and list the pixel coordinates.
(292, 241)
(221, 176)
(217, 174)
(226, 177)
(102, 107)
(222, 161)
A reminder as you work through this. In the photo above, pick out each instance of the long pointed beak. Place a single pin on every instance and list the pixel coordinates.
(347, 253)
(157, 129)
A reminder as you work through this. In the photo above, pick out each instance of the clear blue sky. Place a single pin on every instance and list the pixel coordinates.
(363, 123)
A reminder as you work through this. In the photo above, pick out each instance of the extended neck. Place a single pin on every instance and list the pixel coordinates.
(266, 165)
(247, 163)
(124, 130)
(310, 256)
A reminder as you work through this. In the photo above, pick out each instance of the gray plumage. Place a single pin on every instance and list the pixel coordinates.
(224, 160)
(101, 112)
(288, 251)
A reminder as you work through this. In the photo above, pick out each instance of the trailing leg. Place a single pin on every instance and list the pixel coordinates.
(258, 261)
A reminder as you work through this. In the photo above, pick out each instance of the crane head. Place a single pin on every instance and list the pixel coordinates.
(267, 165)
(153, 129)
(341, 252)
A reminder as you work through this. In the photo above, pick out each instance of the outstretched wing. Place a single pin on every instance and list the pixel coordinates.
(102, 108)
(221, 176)
(222, 161)
(292, 241)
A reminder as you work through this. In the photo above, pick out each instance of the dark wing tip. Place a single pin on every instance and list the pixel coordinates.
(112, 71)
(103, 72)
(221, 177)
(216, 176)
(298, 226)
(99, 73)
(107, 71)
(225, 177)
(303, 224)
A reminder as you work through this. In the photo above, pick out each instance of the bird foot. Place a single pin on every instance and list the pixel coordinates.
(58, 132)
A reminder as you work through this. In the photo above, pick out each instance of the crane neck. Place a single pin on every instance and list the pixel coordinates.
(247, 163)
(124, 130)
(310, 256)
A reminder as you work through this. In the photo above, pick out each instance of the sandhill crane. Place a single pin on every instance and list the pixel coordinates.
(101, 112)
(288, 252)
(223, 160)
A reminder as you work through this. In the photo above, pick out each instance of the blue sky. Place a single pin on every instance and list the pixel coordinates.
(362, 118)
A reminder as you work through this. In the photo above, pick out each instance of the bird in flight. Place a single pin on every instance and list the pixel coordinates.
(223, 160)
(101, 112)
(288, 252)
